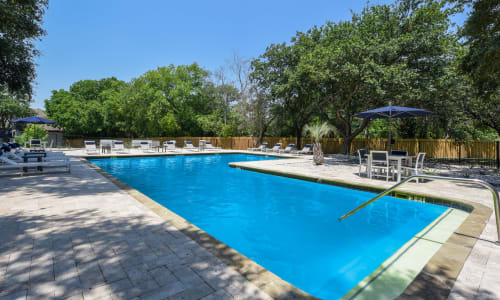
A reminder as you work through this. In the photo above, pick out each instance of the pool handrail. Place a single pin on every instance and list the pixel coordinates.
(494, 193)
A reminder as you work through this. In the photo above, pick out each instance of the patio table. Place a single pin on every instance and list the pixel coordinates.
(397, 158)
(34, 155)
(106, 148)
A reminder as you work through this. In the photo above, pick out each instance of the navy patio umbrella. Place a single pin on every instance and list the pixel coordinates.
(390, 112)
(33, 120)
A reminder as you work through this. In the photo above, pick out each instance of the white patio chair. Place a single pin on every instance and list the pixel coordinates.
(36, 145)
(362, 160)
(380, 162)
(155, 145)
(417, 168)
(105, 145)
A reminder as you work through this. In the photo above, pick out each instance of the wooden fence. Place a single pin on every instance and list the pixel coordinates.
(434, 148)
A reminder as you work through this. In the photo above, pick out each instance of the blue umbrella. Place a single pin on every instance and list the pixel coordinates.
(390, 112)
(33, 120)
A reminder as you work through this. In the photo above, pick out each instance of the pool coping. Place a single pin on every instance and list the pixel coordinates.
(209, 152)
(435, 280)
(438, 276)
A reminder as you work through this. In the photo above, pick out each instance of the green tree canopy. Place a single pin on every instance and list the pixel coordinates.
(88, 108)
(12, 107)
(395, 53)
(168, 101)
(482, 62)
(20, 25)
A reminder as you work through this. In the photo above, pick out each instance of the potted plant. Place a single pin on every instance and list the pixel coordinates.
(317, 132)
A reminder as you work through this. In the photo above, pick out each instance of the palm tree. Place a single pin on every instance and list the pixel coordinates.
(317, 132)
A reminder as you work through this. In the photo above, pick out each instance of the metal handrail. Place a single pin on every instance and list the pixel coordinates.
(493, 191)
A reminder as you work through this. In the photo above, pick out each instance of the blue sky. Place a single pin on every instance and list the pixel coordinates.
(94, 39)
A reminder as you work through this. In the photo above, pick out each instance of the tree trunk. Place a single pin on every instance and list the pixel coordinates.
(261, 135)
(298, 135)
(346, 145)
(349, 136)
(318, 157)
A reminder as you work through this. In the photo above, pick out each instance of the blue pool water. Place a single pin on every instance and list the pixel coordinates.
(288, 226)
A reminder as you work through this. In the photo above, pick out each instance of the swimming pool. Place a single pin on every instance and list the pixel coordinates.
(288, 226)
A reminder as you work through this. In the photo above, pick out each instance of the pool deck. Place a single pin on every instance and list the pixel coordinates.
(81, 236)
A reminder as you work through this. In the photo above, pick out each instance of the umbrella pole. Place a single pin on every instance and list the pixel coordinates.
(390, 139)
(390, 119)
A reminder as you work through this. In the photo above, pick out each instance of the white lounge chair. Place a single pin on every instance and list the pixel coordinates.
(276, 148)
(146, 147)
(306, 150)
(189, 146)
(119, 147)
(90, 147)
(288, 148)
(169, 146)
(22, 152)
(136, 143)
(8, 164)
(262, 147)
(35, 156)
(209, 146)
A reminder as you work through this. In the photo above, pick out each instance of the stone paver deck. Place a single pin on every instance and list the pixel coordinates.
(78, 236)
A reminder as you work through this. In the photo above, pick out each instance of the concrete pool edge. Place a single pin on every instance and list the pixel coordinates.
(440, 273)
(264, 279)
(210, 152)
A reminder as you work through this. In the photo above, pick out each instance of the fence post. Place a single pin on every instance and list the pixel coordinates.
(498, 154)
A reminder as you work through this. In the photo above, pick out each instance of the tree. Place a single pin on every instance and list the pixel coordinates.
(226, 91)
(386, 53)
(260, 109)
(275, 73)
(32, 131)
(482, 34)
(12, 107)
(88, 108)
(482, 62)
(20, 25)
